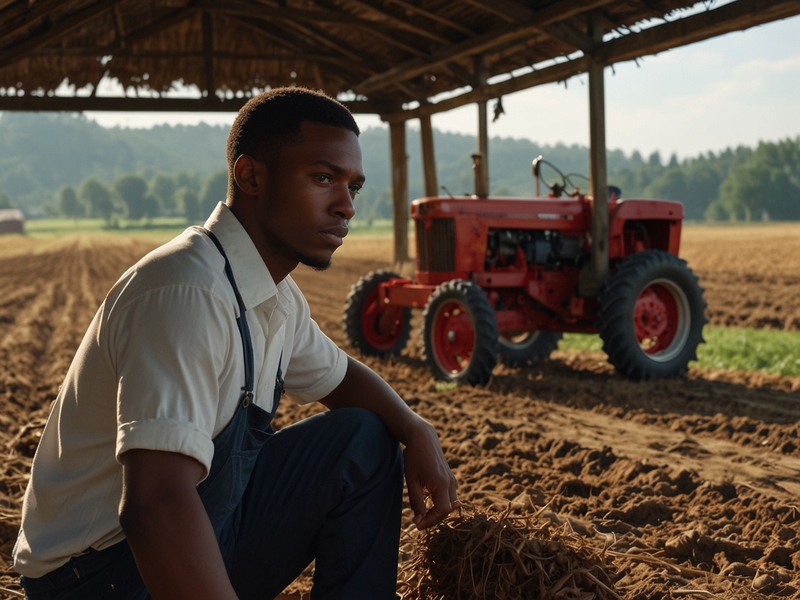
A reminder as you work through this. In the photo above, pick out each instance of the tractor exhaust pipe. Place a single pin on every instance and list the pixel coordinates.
(480, 175)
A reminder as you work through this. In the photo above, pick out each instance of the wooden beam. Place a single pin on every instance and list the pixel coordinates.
(433, 17)
(735, 16)
(244, 9)
(428, 156)
(22, 15)
(482, 167)
(741, 14)
(567, 32)
(289, 40)
(388, 35)
(325, 39)
(513, 12)
(557, 72)
(557, 11)
(208, 49)
(167, 54)
(119, 26)
(102, 104)
(594, 273)
(401, 21)
(15, 52)
(397, 140)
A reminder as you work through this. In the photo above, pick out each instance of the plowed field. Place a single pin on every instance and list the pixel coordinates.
(691, 485)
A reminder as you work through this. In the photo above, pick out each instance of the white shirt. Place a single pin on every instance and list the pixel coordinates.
(161, 368)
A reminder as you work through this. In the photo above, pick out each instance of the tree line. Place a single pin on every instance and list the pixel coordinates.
(132, 196)
(735, 185)
(68, 166)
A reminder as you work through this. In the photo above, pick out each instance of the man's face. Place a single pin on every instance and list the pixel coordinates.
(304, 210)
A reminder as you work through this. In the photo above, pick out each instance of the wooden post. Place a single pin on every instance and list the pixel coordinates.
(593, 275)
(428, 156)
(483, 146)
(483, 123)
(208, 49)
(397, 137)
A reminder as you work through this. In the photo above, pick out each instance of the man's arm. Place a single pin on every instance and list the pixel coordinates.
(427, 472)
(168, 528)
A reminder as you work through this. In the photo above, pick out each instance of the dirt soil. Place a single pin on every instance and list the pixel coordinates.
(690, 487)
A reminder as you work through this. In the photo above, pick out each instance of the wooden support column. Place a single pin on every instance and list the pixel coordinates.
(483, 124)
(397, 137)
(428, 156)
(593, 275)
(208, 49)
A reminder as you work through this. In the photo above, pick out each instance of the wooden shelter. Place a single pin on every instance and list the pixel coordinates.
(401, 59)
(11, 221)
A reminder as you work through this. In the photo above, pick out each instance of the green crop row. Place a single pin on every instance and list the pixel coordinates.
(765, 350)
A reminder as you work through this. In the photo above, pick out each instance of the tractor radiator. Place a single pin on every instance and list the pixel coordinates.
(436, 245)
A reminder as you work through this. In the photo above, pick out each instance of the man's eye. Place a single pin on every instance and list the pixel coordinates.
(324, 178)
(354, 189)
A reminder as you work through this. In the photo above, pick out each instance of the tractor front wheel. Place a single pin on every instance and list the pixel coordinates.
(459, 333)
(526, 347)
(650, 316)
(374, 327)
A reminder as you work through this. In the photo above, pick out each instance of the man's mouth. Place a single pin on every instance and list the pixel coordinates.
(335, 235)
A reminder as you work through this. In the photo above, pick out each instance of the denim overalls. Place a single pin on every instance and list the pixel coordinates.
(235, 451)
(237, 446)
(329, 487)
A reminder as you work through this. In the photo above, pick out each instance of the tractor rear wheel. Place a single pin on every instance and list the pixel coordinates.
(459, 333)
(650, 316)
(373, 327)
(526, 347)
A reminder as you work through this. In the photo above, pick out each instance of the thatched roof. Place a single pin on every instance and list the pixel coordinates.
(383, 53)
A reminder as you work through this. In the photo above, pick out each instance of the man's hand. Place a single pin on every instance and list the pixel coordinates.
(428, 476)
(168, 529)
(427, 472)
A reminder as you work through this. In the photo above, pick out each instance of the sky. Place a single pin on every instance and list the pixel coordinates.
(736, 89)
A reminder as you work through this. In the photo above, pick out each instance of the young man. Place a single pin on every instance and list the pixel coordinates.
(158, 472)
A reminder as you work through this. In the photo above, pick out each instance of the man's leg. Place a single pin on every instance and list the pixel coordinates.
(330, 488)
(109, 574)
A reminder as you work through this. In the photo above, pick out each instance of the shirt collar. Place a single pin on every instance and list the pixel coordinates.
(253, 279)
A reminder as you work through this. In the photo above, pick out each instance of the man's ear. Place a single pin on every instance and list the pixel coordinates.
(246, 174)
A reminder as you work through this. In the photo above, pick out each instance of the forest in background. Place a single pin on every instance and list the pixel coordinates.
(64, 165)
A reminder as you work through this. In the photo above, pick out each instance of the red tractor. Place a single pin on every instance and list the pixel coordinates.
(499, 277)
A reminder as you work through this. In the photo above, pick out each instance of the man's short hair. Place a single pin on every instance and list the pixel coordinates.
(271, 121)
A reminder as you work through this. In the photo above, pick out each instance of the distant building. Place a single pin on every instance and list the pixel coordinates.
(11, 221)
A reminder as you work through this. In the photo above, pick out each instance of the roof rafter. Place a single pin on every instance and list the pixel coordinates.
(401, 21)
(739, 15)
(15, 52)
(479, 43)
(433, 17)
(512, 12)
(731, 17)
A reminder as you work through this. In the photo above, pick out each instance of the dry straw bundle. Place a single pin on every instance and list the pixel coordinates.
(476, 555)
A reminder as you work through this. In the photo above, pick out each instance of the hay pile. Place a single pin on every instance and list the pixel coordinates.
(477, 555)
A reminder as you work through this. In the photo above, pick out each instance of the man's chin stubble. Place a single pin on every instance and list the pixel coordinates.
(317, 265)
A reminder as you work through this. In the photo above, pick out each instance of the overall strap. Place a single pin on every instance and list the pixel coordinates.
(241, 321)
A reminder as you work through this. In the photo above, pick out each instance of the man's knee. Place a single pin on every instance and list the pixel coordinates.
(371, 441)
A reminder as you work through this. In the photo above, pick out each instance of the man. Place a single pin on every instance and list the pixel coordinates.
(158, 473)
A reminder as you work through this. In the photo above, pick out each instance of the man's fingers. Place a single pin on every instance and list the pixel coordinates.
(442, 505)
(416, 499)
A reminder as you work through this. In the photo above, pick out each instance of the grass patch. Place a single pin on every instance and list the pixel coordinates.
(54, 228)
(765, 350)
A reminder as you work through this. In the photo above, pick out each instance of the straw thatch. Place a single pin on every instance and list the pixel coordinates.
(477, 555)
(390, 51)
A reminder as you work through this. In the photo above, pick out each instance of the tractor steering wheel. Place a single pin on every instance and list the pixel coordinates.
(558, 183)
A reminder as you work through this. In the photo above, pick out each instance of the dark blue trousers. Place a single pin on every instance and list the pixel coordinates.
(327, 488)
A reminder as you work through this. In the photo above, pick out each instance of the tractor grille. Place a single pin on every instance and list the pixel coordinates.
(436, 245)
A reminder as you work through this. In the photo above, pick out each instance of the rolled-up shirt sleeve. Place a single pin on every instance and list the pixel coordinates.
(172, 347)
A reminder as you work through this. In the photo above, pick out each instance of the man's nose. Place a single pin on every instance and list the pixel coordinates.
(344, 206)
